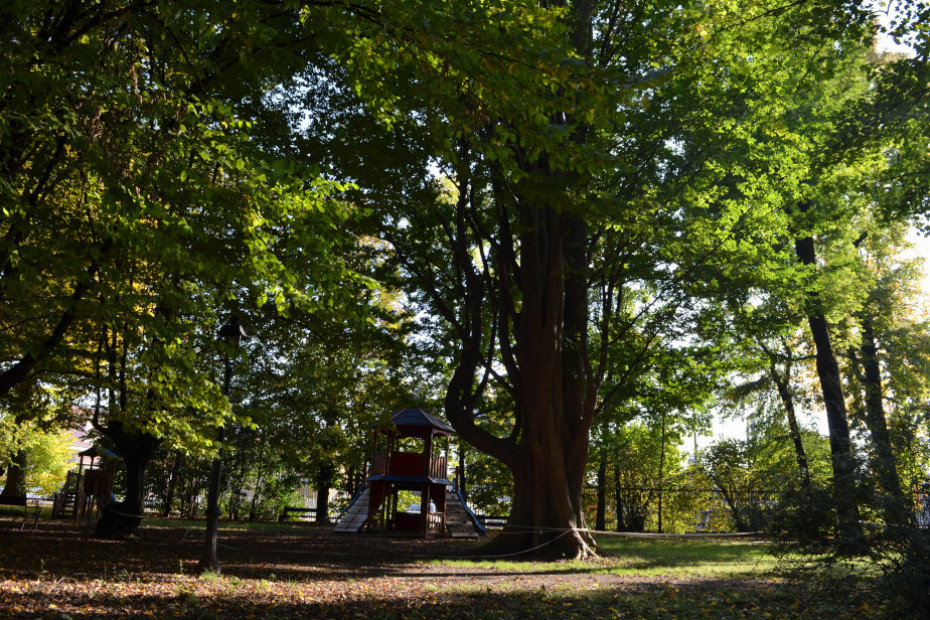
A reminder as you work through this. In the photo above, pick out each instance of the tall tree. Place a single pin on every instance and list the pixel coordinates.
(886, 309)
(578, 212)
(560, 185)
(146, 194)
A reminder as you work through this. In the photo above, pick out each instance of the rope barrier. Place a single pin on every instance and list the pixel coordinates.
(124, 514)
(511, 530)
(522, 529)
(524, 551)
(452, 557)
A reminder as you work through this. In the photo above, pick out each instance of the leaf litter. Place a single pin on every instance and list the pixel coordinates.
(306, 571)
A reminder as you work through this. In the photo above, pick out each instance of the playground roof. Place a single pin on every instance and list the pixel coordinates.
(95, 452)
(421, 419)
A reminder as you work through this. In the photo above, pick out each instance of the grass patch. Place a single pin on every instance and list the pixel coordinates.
(650, 557)
(731, 558)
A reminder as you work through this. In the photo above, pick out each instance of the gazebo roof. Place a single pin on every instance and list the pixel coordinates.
(414, 481)
(419, 419)
(95, 452)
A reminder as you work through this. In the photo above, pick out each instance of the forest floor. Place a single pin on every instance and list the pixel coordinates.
(306, 571)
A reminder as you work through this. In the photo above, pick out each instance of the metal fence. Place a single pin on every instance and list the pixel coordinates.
(685, 509)
(680, 509)
(493, 522)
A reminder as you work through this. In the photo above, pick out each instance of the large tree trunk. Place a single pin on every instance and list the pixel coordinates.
(550, 347)
(15, 485)
(325, 478)
(844, 464)
(545, 519)
(554, 397)
(516, 298)
(136, 448)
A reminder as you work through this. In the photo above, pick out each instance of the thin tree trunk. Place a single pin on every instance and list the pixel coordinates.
(844, 464)
(618, 500)
(259, 484)
(738, 519)
(661, 470)
(256, 496)
(172, 483)
(794, 429)
(894, 505)
(601, 513)
(461, 476)
(209, 561)
(351, 483)
(236, 467)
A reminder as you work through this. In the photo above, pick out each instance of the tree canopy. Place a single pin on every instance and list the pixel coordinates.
(571, 215)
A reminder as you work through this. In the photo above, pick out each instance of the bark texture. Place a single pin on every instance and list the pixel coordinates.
(782, 381)
(515, 296)
(15, 484)
(893, 504)
(136, 449)
(600, 517)
(326, 477)
(845, 491)
(547, 451)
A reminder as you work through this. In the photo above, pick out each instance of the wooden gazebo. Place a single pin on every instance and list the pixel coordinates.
(408, 462)
(86, 489)
(423, 474)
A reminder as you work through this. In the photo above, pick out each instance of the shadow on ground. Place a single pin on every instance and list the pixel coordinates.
(299, 571)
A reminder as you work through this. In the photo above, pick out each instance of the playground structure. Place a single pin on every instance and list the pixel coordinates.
(407, 491)
(86, 492)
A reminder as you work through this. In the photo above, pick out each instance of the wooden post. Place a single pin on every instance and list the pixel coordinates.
(424, 509)
(428, 453)
(424, 501)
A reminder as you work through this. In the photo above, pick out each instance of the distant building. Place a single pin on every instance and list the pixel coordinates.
(80, 441)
